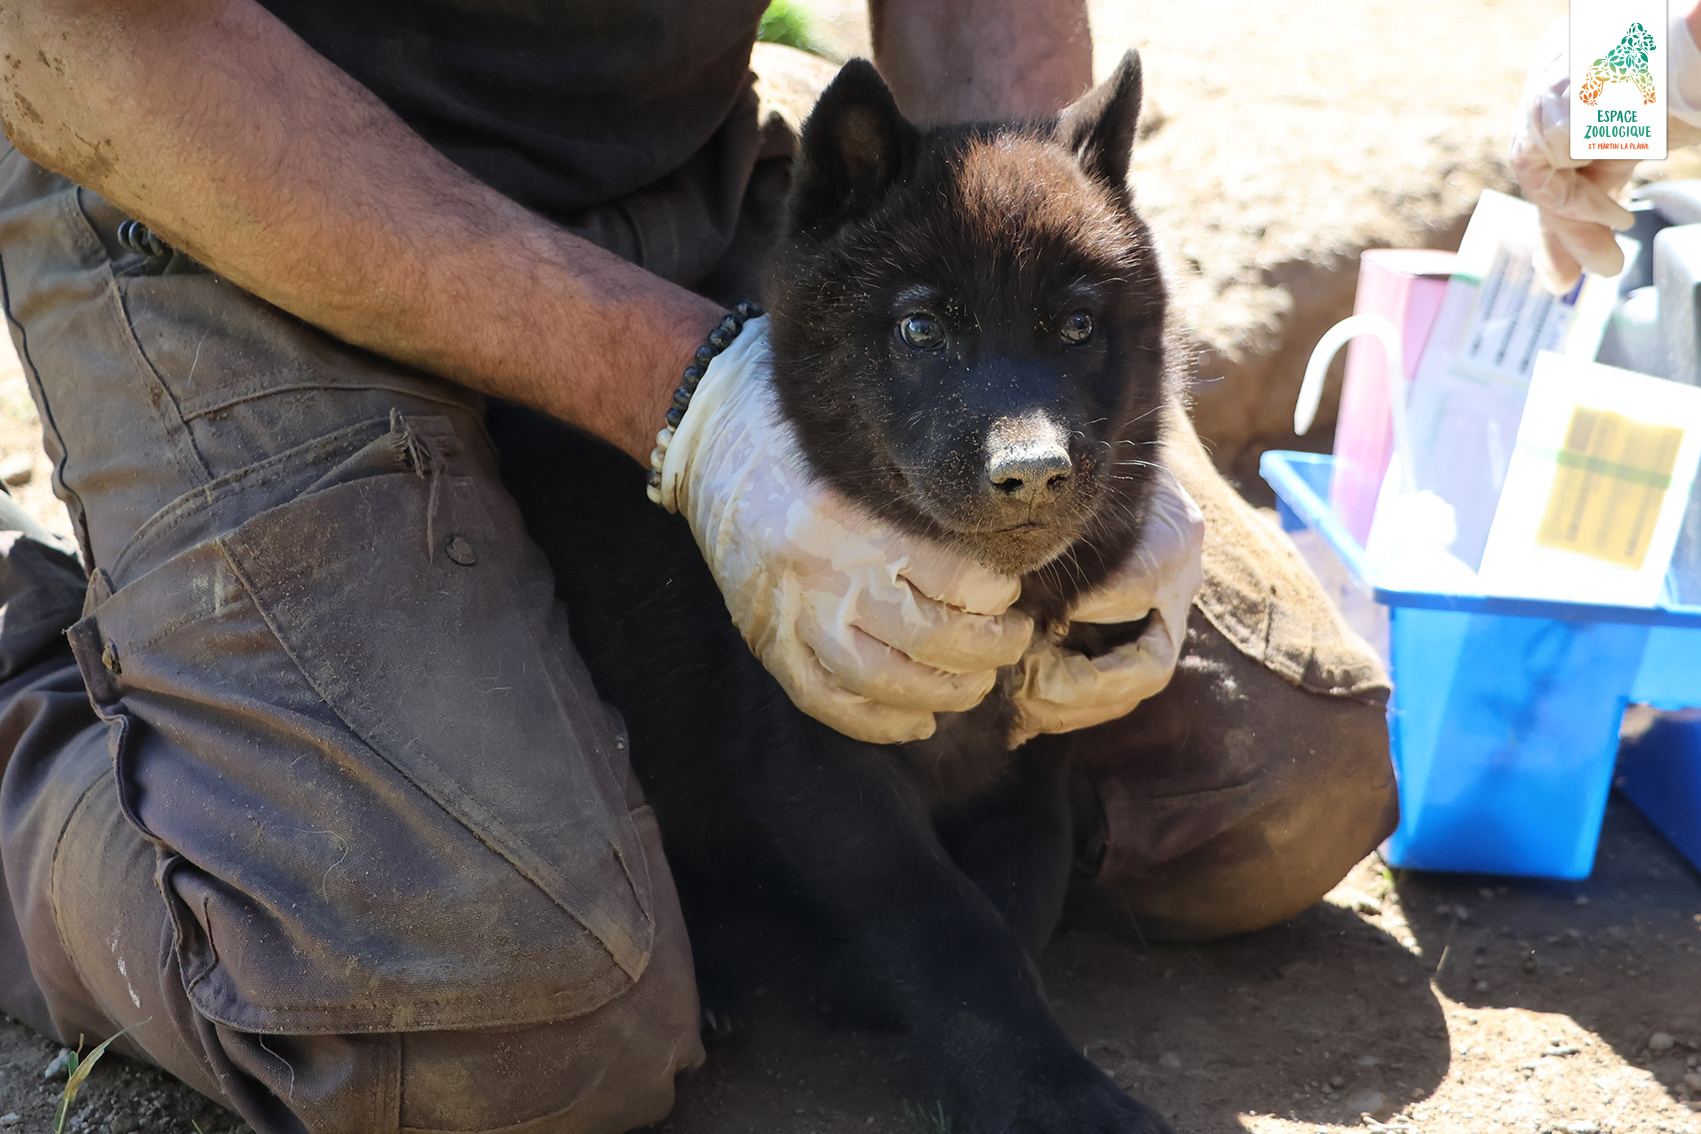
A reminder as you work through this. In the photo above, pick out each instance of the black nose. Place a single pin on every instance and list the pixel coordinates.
(1027, 459)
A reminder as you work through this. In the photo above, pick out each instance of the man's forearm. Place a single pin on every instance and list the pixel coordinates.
(982, 60)
(213, 123)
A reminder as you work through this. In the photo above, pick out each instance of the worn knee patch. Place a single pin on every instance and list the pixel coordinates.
(606, 1071)
(1234, 799)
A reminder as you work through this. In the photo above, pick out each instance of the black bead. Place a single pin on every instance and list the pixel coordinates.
(130, 236)
(682, 398)
(674, 416)
(654, 479)
(748, 310)
(142, 240)
(693, 374)
(720, 337)
(705, 355)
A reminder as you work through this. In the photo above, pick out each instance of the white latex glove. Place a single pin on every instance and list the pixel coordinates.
(868, 629)
(1575, 197)
(1062, 690)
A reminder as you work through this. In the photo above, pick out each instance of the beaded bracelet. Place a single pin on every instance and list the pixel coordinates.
(719, 339)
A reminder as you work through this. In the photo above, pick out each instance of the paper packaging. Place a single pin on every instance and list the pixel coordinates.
(1469, 390)
(1597, 487)
(1404, 286)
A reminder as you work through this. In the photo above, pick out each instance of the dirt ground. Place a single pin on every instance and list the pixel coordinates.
(1425, 1004)
(1286, 142)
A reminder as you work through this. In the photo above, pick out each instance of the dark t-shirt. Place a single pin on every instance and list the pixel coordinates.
(628, 120)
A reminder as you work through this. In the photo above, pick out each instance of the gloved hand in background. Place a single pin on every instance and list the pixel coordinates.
(1575, 197)
(868, 629)
(1062, 690)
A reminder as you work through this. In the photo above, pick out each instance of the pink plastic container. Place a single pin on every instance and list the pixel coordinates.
(1405, 287)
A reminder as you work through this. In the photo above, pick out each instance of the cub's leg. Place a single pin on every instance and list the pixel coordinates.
(1017, 842)
(846, 820)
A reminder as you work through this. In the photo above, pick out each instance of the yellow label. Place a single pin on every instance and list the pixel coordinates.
(1613, 475)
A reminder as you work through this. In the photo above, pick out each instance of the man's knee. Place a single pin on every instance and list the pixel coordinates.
(1234, 799)
(607, 1071)
(602, 1072)
(107, 954)
(599, 1072)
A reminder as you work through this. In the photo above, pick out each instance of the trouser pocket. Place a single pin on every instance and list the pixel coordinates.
(379, 779)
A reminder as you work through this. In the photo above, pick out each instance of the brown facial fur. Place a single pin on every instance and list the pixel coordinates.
(997, 233)
(1021, 193)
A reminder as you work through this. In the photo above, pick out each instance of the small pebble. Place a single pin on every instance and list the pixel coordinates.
(1580, 900)
(1660, 1041)
(10, 1119)
(1482, 986)
(1367, 1102)
(17, 469)
(60, 1068)
(1691, 1079)
(1336, 1081)
(1587, 1126)
(1169, 1059)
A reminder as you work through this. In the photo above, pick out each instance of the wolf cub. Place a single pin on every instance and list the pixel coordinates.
(968, 326)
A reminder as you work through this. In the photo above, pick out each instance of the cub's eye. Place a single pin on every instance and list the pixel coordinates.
(922, 331)
(1077, 327)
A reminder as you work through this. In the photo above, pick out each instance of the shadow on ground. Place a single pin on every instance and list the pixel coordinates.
(1618, 953)
(1339, 1013)
(1324, 1017)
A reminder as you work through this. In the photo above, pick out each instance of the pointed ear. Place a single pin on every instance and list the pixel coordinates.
(1099, 127)
(855, 145)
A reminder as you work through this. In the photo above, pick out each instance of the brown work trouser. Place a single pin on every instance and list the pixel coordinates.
(316, 797)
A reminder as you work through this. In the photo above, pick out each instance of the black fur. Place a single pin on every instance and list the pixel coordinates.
(937, 869)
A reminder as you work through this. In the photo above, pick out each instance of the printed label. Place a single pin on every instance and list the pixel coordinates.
(1613, 476)
(1512, 320)
(1618, 79)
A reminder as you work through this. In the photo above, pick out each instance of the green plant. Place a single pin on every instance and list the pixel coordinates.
(787, 22)
(78, 1070)
(934, 1121)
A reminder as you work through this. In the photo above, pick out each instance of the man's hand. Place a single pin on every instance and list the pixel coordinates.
(218, 127)
(1063, 690)
(868, 629)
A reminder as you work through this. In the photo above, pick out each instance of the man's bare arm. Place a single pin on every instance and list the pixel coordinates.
(981, 60)
(213, 123)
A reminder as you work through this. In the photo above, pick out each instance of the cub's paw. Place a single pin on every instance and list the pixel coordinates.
(720, 1003)
(1076, 1100)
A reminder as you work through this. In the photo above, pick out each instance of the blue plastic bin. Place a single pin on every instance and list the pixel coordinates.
(1504, 723)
